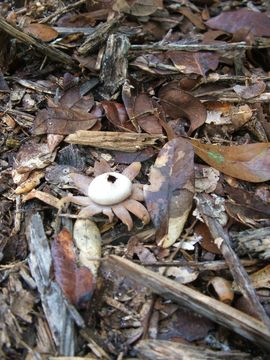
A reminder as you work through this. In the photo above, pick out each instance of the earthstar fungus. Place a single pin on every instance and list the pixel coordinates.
(111, 193)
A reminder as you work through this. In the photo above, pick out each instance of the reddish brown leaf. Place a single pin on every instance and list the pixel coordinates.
(246, 207)
(170, 193)
(256, 23)
(207, 241)
(142, 110)
(73, 99)
(64, 121)
(41, 31)
(83, 19)
(197, 62)
(76, 283)
(178, 103)
(117, 115)
(128, 158)
(249, 162)
(194, 18)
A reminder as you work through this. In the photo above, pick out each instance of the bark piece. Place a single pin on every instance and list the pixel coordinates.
(56, 311)
(254, 242)
(114, 65)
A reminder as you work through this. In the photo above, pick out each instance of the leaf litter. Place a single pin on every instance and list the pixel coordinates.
(182, 89)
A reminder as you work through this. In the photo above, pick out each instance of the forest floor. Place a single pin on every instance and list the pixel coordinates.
(173, 95)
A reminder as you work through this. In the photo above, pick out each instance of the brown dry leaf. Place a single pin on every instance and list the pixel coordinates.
(73, 99)
(117, 115)
(255, 22)
(31, 156)
(250, 162)
(178, 103)
(41, 31)
(64, 121)
(170, 193)
(83, 19)
(146, 114)
(248, 92)
(138, 7)
(246, 207)
(197, 62)
(142, 110)
(184, 324)
(76, 283)
(195, 19)
(207, 242)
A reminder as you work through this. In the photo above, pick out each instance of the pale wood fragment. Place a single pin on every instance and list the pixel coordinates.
(169, 350)
(113, 140)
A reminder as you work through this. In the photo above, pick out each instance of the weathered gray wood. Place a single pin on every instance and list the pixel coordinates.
(54, 305)
(114, 65)
(169, 350)
(255, 242)
(215, 310)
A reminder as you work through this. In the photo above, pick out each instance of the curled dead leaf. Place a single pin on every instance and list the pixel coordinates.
(170, 193)
(178, 103)
(250, 162)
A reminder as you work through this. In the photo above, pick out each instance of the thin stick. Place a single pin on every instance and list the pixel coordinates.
(199, 47)
(45, 49)
(62, 11)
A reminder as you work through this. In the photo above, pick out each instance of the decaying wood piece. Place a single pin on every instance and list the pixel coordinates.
(113, 140)
(114, 65)
(99, 36)
(54, 305)
(169, 350)
(221, 47)
(215, 310)
(255, 242)
(215, 265)
(45, 49)
(239, 274)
